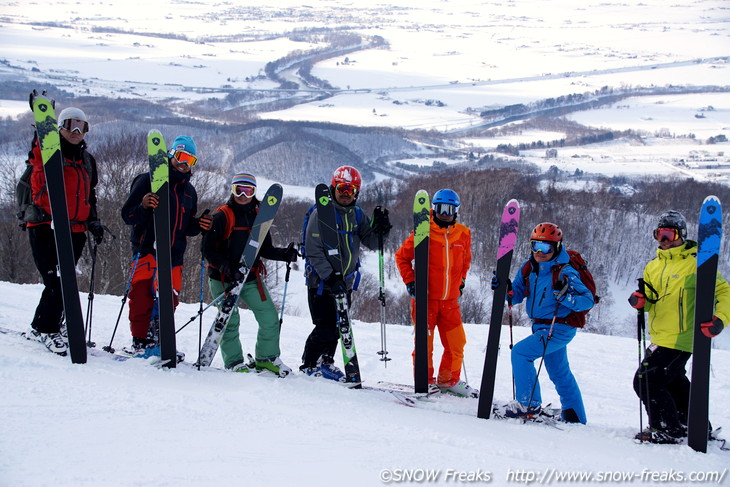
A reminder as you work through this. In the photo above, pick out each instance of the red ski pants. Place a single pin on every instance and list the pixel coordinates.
(446, 316)
(143, 290)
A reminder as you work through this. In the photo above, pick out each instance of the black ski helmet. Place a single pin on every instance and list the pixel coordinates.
(673, 219)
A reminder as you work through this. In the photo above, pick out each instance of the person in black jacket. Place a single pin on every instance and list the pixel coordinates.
(137, 212)
(223, 246)
(80, 180)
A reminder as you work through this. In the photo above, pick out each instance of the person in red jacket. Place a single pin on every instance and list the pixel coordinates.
(80, 179)
(449, 260)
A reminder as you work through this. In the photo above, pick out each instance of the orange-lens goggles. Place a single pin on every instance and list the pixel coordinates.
(241, 190)
(347, 189)
(185, 158)
(73, 125)
(666, 234)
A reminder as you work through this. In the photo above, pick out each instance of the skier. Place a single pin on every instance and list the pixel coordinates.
(323, 283)
(80, 179)
(138, 212)
(449, 259)
(661, 381)
(547, 306)
(223, 247)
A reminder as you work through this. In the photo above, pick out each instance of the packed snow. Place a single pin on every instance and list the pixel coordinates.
(129, 423)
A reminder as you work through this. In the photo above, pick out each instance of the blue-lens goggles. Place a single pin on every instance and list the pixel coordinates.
(444, 209)
(542, 246)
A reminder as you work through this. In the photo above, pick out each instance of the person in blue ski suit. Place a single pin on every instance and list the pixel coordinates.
(545, 301)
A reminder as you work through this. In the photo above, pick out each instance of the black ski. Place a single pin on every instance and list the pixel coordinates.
(159, 178)
(421, 239)
(261, 225)
(507, 239)
(708, 250)
(53, 162)
(330, 236)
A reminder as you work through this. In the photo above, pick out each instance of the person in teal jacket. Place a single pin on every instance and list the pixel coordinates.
(669, 299)
(547, 305)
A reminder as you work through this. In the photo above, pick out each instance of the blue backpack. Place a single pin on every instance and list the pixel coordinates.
(308, 267)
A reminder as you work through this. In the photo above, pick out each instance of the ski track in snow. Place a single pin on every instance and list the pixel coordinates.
(128, 423)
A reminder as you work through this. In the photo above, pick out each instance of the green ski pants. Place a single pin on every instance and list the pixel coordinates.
(264, 311)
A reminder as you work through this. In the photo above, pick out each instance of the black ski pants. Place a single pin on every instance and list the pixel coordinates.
(49, 312)
(323, 339)
(662, 384)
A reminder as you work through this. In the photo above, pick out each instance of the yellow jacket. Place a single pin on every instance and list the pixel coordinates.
(670, 290)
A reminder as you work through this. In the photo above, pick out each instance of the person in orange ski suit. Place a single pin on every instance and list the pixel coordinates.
(449, 259)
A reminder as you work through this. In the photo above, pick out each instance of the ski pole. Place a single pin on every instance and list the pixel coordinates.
(286, 285)
(510, 293)
(90, 304)
(544, 351)
(381, 297)
(109, 348)
(201, 311)
(641, 340)
(202, 279)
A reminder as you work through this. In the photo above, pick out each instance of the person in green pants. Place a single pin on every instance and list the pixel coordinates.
(223, 246)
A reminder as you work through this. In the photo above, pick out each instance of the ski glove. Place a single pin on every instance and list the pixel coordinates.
(712, 328)
(381, 220)
(150, 201)
(290, 253)
(637, 300)
(97, 231)
(231, 273)
(336, 283)
(560, 288)
(205, 221)
(461, 287)
(411, 286)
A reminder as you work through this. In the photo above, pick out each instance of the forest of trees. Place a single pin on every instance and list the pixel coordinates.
(611, 227)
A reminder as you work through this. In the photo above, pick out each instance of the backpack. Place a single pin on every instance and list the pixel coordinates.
(308, 267)
(576, 319)
(28, 210)
(259, 269)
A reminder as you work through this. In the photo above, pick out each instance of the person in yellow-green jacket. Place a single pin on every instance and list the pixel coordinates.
(669, 299)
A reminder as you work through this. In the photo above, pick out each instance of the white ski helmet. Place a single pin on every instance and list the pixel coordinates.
(71, 113)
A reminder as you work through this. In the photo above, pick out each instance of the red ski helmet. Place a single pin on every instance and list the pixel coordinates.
(549, 232)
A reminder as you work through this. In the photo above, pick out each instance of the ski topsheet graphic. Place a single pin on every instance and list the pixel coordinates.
(709, 236)
(50, 144)
(507, 239)
(421, 239)
(160, 181)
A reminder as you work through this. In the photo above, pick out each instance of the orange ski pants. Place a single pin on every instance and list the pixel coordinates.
(446, 316)
(142, 293)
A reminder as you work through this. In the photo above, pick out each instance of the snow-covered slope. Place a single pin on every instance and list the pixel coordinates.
(128, 423)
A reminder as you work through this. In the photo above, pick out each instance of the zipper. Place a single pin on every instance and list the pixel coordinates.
(448, 263)
(680, 305)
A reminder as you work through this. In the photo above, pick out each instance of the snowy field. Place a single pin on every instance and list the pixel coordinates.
(127, 423)
(470, 55)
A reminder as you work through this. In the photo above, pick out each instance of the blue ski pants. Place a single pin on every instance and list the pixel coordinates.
(524, 354)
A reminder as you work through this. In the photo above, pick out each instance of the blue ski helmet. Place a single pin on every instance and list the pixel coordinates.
(445, 201)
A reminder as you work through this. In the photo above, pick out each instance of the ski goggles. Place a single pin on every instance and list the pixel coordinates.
(185, 158)
(540, 246)
(347, 189)
(241, 190)
(666, 234)
(444, 209)
(74, 125)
